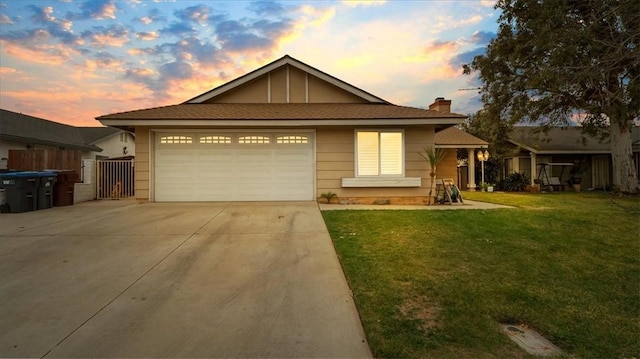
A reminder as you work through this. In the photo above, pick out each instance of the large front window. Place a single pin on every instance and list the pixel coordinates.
(379, 153)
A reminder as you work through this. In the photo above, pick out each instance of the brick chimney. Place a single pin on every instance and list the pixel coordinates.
(440, 104)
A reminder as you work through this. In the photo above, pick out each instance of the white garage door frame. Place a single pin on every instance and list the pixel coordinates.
(236, 133)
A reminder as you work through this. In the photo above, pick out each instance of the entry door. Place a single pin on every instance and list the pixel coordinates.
(601, 173)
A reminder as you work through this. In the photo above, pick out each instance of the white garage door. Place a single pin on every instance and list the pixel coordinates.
(230, 166)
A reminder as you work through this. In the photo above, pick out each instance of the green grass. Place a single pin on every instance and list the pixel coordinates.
(439, 283)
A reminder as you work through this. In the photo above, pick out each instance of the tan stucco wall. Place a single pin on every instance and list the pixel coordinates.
(142, 163)
(273, 87)
(335, 160)
(448, 168)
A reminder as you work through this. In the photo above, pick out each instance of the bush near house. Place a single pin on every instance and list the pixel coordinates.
(438, 283)
(516, 182)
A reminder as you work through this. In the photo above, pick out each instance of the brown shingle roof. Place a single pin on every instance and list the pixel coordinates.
(19, 127)
(453, 136)
(306, 111)
(565, 140)
(569, 139)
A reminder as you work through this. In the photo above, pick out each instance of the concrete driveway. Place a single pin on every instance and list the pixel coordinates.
(119, 279)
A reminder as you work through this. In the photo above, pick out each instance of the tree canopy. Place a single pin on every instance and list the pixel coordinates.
(555, 62)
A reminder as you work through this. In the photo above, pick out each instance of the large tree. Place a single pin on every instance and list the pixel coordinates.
(555, 61)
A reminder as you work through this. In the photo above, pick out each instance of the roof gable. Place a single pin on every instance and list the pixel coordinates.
(453, 137)
(286, 80)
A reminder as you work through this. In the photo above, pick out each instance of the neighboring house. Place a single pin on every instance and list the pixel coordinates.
(114, 143)
(286, 131)
(23, 132)
(558, 150)
(451, 139)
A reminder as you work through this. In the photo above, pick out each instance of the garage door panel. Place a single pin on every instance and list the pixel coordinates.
(175, 192)
(221, 191)
(232, 171)
(214, 158)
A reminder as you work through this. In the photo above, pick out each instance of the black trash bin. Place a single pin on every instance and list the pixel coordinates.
(3, 199)
(63, 188)
(45, 189)
(21, 191)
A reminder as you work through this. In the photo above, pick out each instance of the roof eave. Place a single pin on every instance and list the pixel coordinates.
(282, 123)
(51, 143)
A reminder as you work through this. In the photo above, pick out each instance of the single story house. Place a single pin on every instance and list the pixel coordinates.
(23, 132)
(286, 131)
(543, 156)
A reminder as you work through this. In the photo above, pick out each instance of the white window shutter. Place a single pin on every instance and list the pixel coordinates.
(367, 153)
(391, 153)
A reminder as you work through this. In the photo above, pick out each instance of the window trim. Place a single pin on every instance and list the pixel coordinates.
(379, 131)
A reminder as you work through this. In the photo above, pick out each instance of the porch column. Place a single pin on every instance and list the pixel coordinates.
(534, 170)
(471, 183)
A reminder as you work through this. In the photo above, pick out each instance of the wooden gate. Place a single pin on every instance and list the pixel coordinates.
(115, 179)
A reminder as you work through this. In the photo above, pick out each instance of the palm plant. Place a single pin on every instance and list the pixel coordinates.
(433, 156)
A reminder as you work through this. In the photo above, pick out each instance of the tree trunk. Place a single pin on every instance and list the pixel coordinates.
(625, 178)
(432, 186)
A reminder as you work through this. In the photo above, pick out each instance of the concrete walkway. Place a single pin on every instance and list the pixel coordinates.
(120, 279)
(438, 207)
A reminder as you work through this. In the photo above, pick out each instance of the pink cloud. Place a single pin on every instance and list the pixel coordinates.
(7, 70)
(44, 54)
(108, 39)
(5, 20)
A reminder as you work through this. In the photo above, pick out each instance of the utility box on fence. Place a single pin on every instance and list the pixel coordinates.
(21, 191)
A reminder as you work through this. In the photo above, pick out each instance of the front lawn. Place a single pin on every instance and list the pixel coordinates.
(438, 283)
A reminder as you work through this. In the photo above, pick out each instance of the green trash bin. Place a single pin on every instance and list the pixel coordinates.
(21, 191)
(45, 189)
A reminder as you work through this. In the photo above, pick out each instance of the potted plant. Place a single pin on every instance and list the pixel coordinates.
(578, 169)
(484, 186)
(328, 196)
(490, 187)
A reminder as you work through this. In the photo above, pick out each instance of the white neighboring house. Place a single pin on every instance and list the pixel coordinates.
(24, 132)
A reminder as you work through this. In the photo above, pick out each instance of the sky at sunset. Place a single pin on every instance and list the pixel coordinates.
(72, 60)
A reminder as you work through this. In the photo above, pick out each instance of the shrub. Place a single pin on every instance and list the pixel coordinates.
(516, 182)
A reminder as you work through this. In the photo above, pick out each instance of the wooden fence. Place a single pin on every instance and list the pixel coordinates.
(38, 160)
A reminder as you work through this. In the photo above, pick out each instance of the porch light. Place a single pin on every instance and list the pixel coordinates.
(483, 157)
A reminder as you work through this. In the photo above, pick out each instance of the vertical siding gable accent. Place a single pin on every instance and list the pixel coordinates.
(256, 91)
(287, 84)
